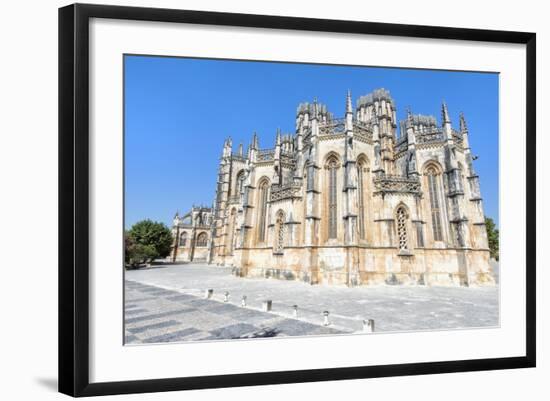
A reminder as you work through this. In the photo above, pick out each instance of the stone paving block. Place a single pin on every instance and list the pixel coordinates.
(249, 315)
(181, 297)
(202, 303)
(161, 325)
(154, 316)
(135, 311)
(205, 321)
(134, 284)
(224, 309)
(130, 338)
(139, 299)
(234, 331)
(293, 327)
(149, 289)
(173, 336)
(162, 292)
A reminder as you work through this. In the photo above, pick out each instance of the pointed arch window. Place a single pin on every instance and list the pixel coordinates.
(240, 183)
(202, 239)
(402, 234)
(435, 207)
(183, 239)
(262, 210)
(332, 167)
(361, 167)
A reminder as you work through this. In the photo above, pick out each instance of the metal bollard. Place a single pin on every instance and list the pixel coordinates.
(368, 326)
(266, 305)
(295, 307)
(325, 314)
(226, 296)
(243, 301)
(208, 293)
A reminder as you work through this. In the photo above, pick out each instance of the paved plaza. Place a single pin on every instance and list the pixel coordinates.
(168, 304)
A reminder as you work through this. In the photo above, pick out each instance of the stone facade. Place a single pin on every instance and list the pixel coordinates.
(192, 234)
(348, 201)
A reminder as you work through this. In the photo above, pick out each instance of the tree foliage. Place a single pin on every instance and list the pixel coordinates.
(492, 237)
(146, 241)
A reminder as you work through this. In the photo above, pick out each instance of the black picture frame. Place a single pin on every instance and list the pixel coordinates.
(74, 198)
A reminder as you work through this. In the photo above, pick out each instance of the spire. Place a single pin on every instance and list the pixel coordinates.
(278, 140)
(464, 132)
(463, 126)
(445, 114)
(255, 141)
(348, 103)
(409, 117)
(240, 149)
(315, 108)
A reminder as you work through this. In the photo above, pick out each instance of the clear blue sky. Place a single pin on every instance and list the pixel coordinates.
(178, 112)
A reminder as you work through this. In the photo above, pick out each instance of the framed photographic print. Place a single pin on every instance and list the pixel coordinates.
(250, 199)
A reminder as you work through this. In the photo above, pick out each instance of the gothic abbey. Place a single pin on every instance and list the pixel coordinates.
(347, 201)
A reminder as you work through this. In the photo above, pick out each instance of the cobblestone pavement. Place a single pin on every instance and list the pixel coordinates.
(157, 315)
(166, 303)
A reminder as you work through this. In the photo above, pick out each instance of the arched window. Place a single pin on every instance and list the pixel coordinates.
(433, 190)
(332, 168)
(202, 239)
(240, 183)
(361, 168)
(402, 235)
(280, 231)
(262, 209)
(183, 239)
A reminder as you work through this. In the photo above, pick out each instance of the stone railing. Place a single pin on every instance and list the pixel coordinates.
(362, 130)
(333, 127)
(237, 156)
(265, 154)
(395, 183)
(287, 157)
(433, 135)
(285, 192)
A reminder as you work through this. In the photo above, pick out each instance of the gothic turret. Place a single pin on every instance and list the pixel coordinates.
(277, 159)
(411, 147)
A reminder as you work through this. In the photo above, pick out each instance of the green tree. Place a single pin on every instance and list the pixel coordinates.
(146, 241)
(139, 254)
(492, 236)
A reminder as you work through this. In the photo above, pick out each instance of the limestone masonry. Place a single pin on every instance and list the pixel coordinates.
(347, 201)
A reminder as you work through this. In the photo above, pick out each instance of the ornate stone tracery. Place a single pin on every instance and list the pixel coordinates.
(402, 232)
(280, 232)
